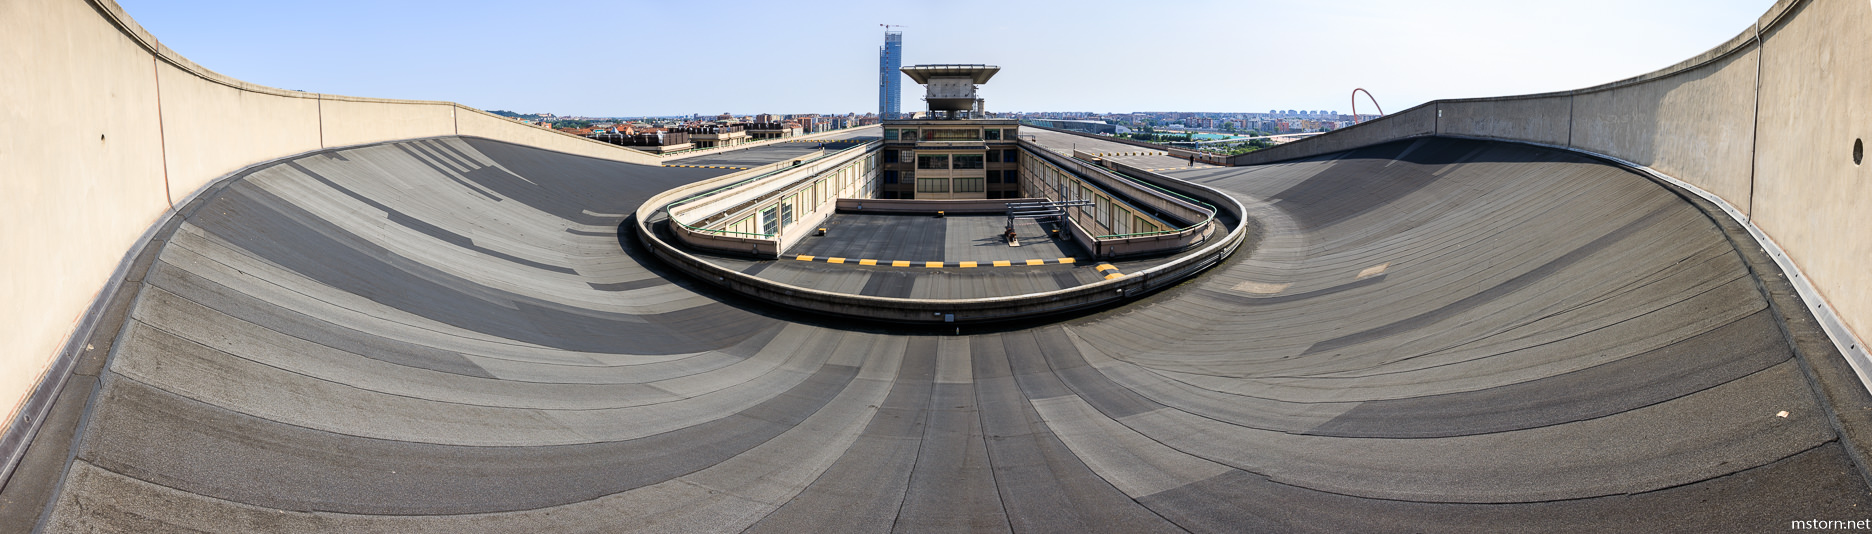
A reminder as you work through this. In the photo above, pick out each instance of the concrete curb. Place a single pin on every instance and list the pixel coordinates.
(952, 311)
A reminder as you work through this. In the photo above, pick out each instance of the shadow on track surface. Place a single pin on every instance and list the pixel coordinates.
(1434, 335)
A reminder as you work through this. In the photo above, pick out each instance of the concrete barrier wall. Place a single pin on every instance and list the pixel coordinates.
(942, 311)
(958, 206)
(1541, 120)
(765, 179)
(81, 173)
(1414, 122)
(103, 130)
(1815, 101)
(1136, 199)
(210, 129)
(1698, 123)
(1765, 121)
(749, 193)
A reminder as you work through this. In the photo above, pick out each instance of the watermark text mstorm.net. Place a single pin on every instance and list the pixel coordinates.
(1823, 524)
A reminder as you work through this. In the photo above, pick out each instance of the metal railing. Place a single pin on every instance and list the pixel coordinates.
(668, 213)
(1206, 207)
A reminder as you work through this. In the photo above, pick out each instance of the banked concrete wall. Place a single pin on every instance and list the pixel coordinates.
(103, 130)
(1767, 121)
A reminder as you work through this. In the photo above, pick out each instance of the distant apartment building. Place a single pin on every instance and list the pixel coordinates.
(772, 130)
(656, 140)
(715, 135)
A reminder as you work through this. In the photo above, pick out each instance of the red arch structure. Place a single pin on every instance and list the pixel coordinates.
(1368, 96)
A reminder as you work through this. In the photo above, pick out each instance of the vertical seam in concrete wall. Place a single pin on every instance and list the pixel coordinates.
(1761, 49)
(1570, 99)
(321, 119)
(162, 133)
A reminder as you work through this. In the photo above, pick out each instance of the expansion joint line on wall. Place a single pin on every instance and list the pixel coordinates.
(1755, 122)
(162, 134)
(1570, 99)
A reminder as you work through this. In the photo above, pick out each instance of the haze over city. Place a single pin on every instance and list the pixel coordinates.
(598, 58)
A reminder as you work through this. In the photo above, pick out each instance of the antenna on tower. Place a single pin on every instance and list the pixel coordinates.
(887, 27)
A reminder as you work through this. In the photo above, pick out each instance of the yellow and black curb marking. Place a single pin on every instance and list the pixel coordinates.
(940, 264)
(1109, 271)
(1131, 154)
(1203, 166)
(709, 167)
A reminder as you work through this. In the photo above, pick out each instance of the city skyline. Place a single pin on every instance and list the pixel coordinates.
(500, 56)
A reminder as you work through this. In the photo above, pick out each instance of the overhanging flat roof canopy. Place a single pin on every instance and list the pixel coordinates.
(922, 73)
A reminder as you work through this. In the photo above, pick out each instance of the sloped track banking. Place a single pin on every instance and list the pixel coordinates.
(448, 334)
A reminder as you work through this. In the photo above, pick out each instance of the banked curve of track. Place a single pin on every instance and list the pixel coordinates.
(449, 334)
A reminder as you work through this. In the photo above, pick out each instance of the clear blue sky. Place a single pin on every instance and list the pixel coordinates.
(616, 58)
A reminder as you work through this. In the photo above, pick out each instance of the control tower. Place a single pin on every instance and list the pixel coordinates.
(950, 89)
(955, 151)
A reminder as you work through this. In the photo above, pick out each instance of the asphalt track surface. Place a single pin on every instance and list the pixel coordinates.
(448, 335)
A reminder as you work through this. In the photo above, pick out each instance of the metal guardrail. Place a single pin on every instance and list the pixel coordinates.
(1211, 209)
(947, 311)
(762, 235)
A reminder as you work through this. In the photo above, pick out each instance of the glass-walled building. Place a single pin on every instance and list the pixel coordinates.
(890, 80)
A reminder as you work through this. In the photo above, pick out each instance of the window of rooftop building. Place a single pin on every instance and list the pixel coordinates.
(932, 185)
(968, 161)
(890, 177)
(969, 185)
(1007, 156)
(952, 134)
(939, 161)
(890, 156)
(991, 134)
(994, 177)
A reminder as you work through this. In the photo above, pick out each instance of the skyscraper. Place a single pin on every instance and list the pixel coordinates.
(890, 80)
